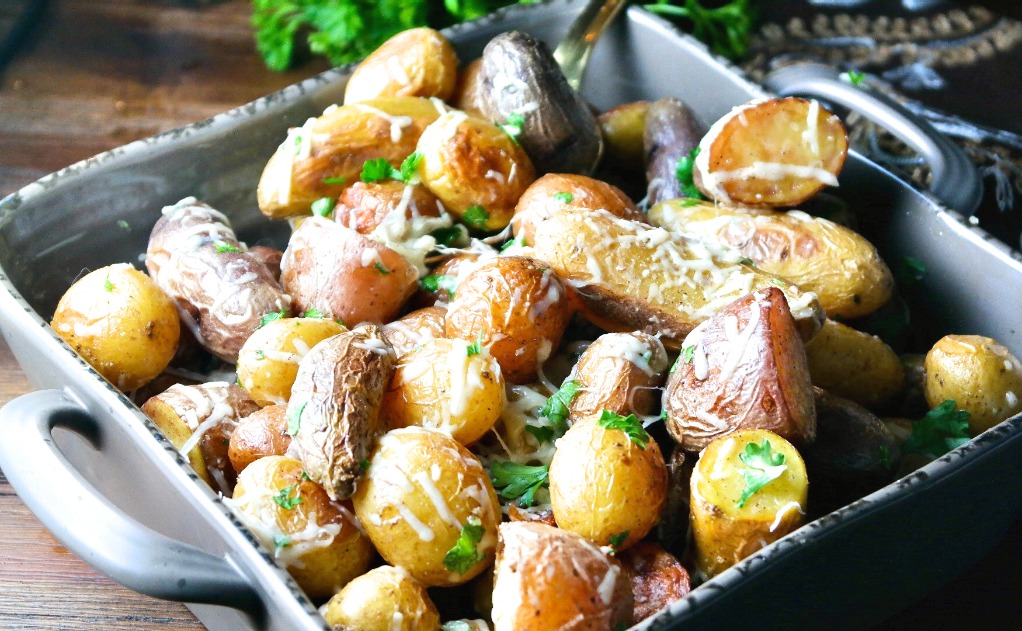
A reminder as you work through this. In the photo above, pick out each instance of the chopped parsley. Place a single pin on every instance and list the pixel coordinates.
(323, 207)
(281, 541)
(379, 169)
(747, 261)
(630, 425)
(107, 283)
(476, 216)
(313, 313)
(452, 236)
(465, 552)
(123, 225)
(724, 28)
(260, 354)
(853, 77)
(305, 475)
(516, 242)
(476, 347)
(363, 466)
(911, 271)
(223, 246)
(885, 457)
(329, 181)
(270, 317)
(518, 481)
(688, 353)
(764, 466)
(556, 411)
(409, 168)
(684, 174)
(564, 197)
(618, 539)
(513, 125)
(294, 418)
(381, 269)
(284, 499)
(436, 282)
(944, 428)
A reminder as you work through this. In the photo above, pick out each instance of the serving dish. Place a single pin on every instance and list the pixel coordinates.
(858, 571)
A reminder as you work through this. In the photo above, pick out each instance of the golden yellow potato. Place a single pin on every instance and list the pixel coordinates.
(318, 541)
(120, 322)
(475, 169)
(622, 129)
(452, 386)
(749, 489)
(606, 485)
(980, 375)
(268, 361)
(383, 599)
(840, 266)
(415, 329)
(554, 192)
(428, 505)
(854, 365)
(261, 433)
(415, 62)
(620, 372)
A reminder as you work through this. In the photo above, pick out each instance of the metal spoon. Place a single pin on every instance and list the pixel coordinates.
(573, 53)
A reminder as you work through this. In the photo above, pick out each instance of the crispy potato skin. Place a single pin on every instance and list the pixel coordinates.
(979, 374)
(469, 162)
(657, 578)
(541, 200)
(221, 292)
(383, 599)
(418, 493)
(724, 533)
(854, 365)
(518, 307)
(840, 266)
(620, 372)
(336, 400)
(415, 328)
(336, 146)
(603, 484)
(335, 549)
(748, 371)
(120, 322)
(345, 274)
(622, 128)
(670, 132)
(261, 433)
(548, 579)
(415, 62)
(777, 152)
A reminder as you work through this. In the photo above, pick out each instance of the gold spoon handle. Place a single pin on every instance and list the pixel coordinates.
(573, 53)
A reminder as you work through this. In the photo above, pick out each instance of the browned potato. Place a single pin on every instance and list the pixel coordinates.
(120, 322)
(363, 206)
(622, 128)
(548, 579)
(620, 372)
(198, 421)
(220, 290)
(268, 256)
(415, 329)
(318, 541)
(344, 274)
(467, 97)
(854, 365)
(980, 375)
(748, 490)
(554, 192)
(326, 154)
(744, 368)
(840, 266)
(383, 599)
(449, 273)
(334, 409)
(671, 132)
(475, 169)
(657, 578)
(261, 433)
(415, 62)
(777, 152)
(606, 485)
(516, 308)
(630, 276)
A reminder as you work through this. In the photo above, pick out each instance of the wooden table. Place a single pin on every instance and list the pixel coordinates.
(98, 74)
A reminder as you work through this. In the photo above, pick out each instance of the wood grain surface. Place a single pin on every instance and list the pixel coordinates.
(98, 73)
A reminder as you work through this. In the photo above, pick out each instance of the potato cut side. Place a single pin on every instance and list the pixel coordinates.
(777, 152)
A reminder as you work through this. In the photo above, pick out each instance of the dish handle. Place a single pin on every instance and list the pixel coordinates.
(955, 180)
(113, 543)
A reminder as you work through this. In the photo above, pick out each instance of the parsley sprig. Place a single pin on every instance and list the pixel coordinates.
(556, 412)
(630, 425)
(684, 174)
(512, 126)
(285, 500)
(764, 466)
(725, 29)
(436, 282)
(518, 481)
(270, 317)
(294, 418)
(944, 428)
(379, 169)
(465, 552)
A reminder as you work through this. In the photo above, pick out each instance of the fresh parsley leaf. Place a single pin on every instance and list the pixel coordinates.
(305, 475)
(564, 197)
(911, 271)
(542, 433)
(270, 317)
(284, 499)
(476, 216)
(124, 225)
(465, 553)
(684, 174)
(313, 313)
(450, 237)
(518, 241)
(381, 269)
(518, 481)
(294, 418)
(764, 466)
(363, 466)
(476, 347)
(409, 167)
(323, 207)
(630, 425)
(513, 125)
(280, 541)
(944, 428)
(618, 539)
(689, 353)
(556, 409)
(747, 261)
(885, 457)
(260, 353)
(436, 282)
(108, 284)
(378, 169)
(330, 181)
(223, 246)
(725, 29)
(853, 77)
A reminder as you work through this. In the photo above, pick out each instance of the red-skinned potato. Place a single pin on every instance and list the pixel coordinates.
(744, 368)
(415, 329)
(657, 578)
(363, 206)
(555, 192)
(261, 433)
(620, 372)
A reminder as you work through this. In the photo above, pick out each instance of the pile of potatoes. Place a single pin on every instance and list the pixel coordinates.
(481, 385)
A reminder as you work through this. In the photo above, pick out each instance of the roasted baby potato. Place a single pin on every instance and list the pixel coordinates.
(448, 385)
(854, 365)
(120, 322)
(554, 192)
(318, 541)
(333, 412)
(748, 490)
(198, 421)
(261, 433)
(221, 292)
(268, 362)
(515, 307)
(429, 506)
(631, 276)
(322, 157)
(383, 599)
(268, 256)
(775, 152)
(980, 375)
(343, 274)
(548, 579)
(476, 170)
(620, 372)
(622, 128)
(467, 93)
(671, 132)
(744, 368)
(415, 62)
(605, 484)
(657, 578)
(415, 329)
(840, 266)
(364, 206)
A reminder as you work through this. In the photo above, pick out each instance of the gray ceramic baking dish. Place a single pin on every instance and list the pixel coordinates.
(79, 447)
